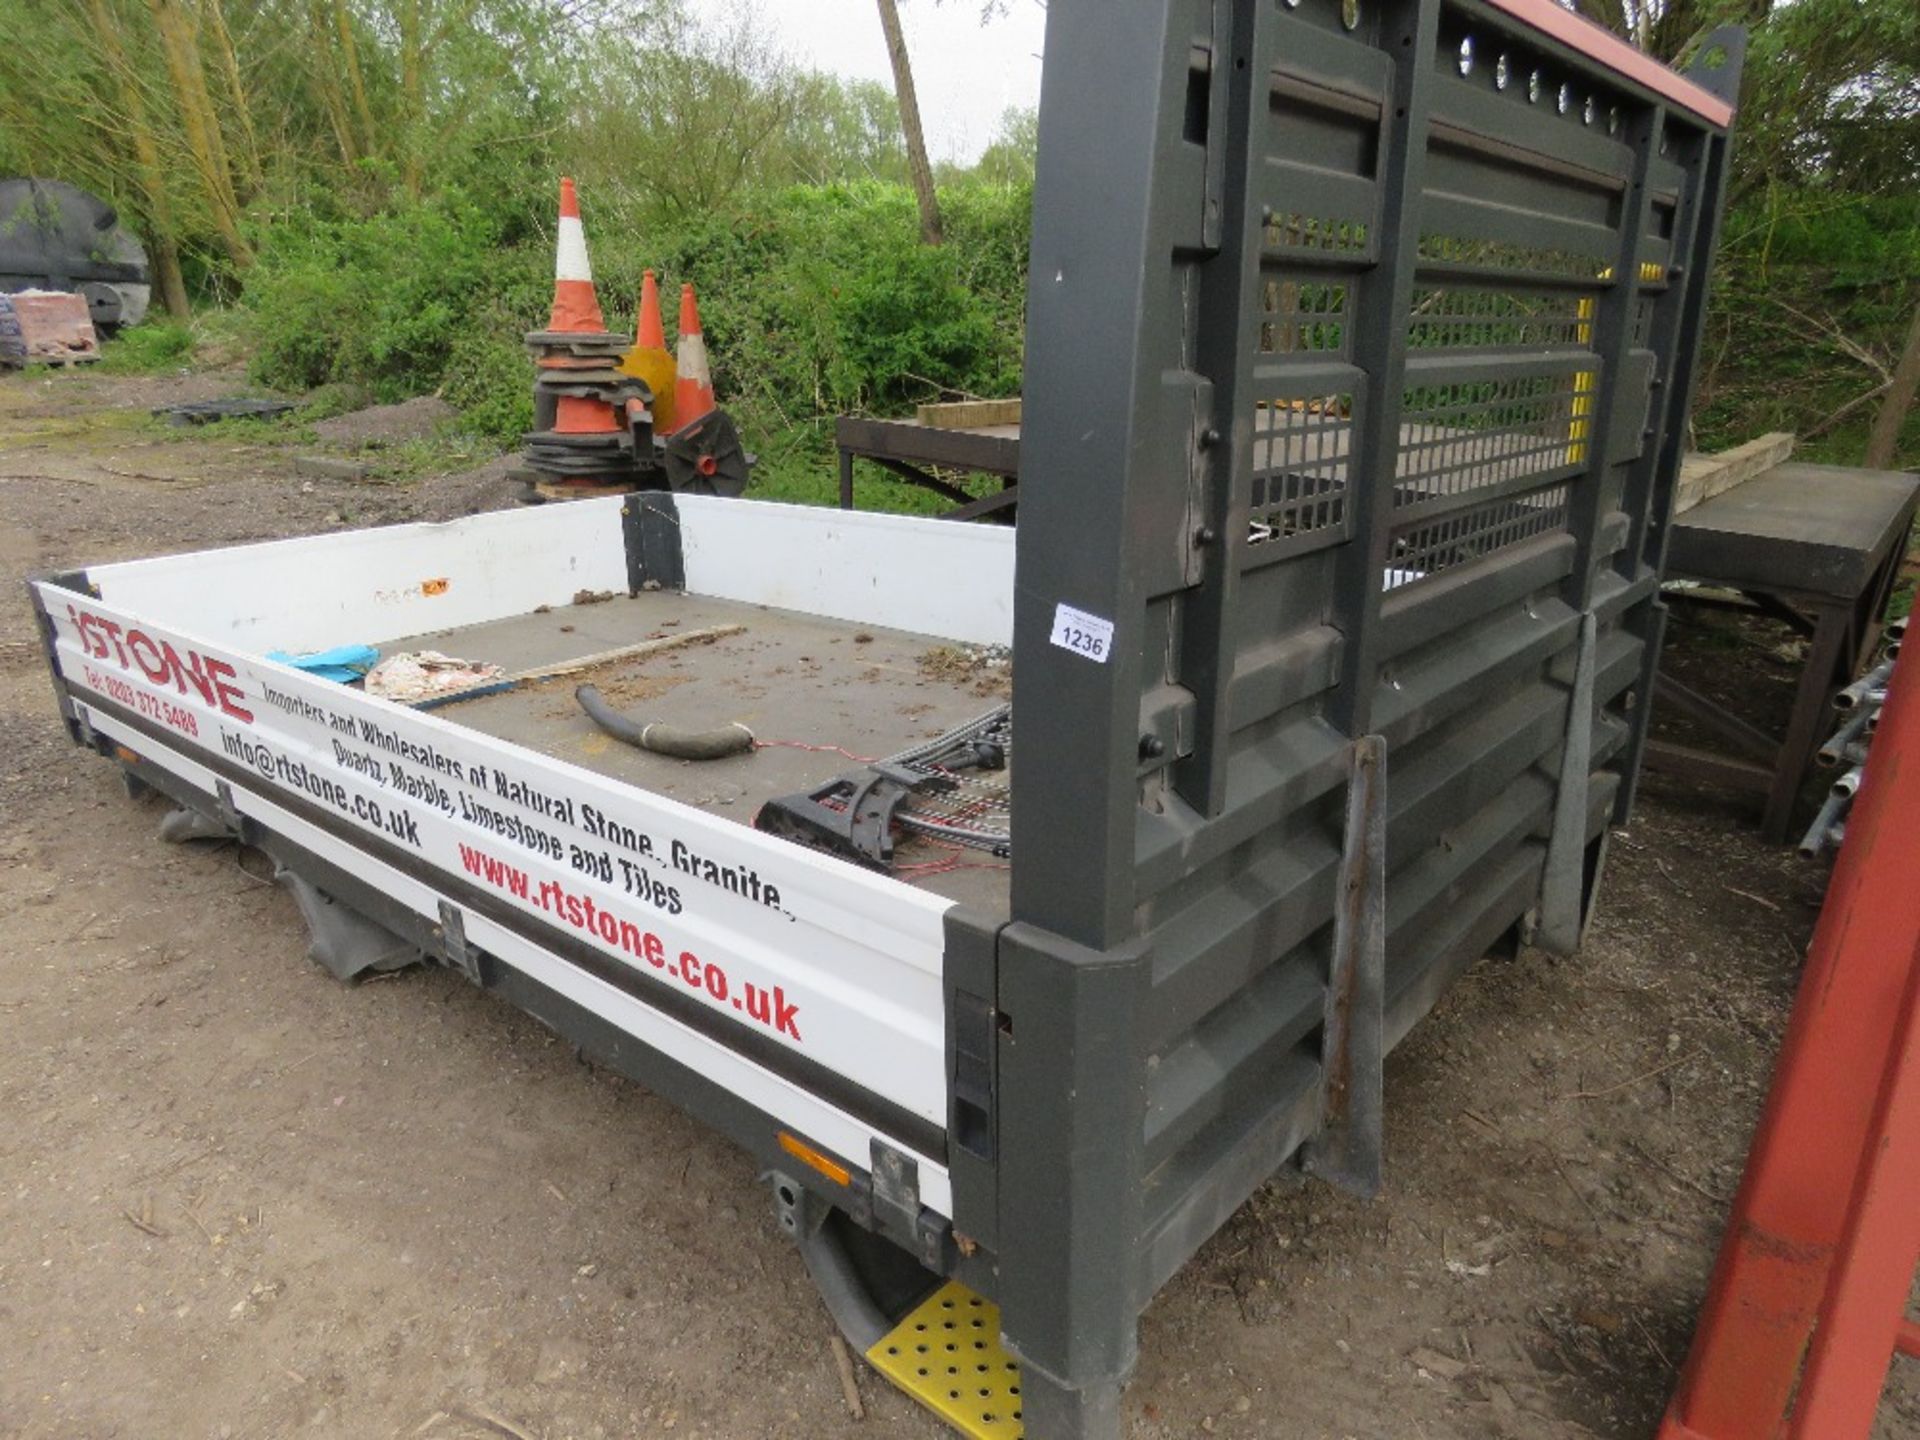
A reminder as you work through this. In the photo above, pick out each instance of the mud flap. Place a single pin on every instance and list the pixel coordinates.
(182, 824)
(341, 939)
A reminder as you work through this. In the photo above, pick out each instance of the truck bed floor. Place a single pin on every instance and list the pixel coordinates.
(795, 680)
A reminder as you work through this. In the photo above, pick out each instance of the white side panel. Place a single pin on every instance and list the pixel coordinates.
(788, 1103)
(937, 577)
(783, 946)
(363, 587)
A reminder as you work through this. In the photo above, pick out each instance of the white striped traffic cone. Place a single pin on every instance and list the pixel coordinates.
(576, 307)
(693, 385)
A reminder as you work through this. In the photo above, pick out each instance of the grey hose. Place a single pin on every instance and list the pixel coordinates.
(715, 744)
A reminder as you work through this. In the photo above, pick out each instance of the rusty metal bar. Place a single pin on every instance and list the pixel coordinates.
(1562, 891)
(1348, 1151)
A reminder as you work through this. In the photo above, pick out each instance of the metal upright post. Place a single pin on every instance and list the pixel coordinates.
(1409, 34)
(1678, 322)
(1104, 332)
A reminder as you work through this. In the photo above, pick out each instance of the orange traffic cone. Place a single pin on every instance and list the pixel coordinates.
(649, 360)
(693, 386)
(649, 334)
(576, 308)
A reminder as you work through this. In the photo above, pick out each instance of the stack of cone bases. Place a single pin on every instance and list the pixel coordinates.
(582, 427)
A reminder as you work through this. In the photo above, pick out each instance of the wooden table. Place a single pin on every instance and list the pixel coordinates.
(1817, 547)
(907, 447)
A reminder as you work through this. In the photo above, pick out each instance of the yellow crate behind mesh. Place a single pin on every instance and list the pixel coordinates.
(946, 1354)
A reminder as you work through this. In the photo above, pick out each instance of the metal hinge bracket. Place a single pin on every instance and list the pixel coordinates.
(452, 935)
(243, 828)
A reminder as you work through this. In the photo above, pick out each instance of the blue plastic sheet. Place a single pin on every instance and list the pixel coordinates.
(343, 664)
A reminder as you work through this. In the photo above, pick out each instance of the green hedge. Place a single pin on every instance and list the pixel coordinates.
(1805, 279)
(815, 301)
(820, 300)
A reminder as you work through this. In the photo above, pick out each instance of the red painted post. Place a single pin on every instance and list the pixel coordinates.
(1907, 1342)
(1808, 1224)
(1865, 1305)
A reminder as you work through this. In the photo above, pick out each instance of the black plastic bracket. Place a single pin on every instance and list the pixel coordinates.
(851, 816)
(896, 1188)
(83, 732)
(650, 525)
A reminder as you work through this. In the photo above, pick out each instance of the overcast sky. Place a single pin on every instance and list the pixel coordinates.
(966, 73)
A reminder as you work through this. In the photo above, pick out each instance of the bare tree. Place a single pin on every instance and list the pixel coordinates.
(179, 43)
(1883, 440)
(148, 166)
(216, 18)
(931, 231)
(350, 55)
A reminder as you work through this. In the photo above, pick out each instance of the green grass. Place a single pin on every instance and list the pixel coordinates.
(435, 455)
(148, 349)
(281, 432)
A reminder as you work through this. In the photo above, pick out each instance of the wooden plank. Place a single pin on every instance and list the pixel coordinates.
(1761, 747)
(1704, 476)
(704, 636)
(995, 451)
(580, 489)
(969, 414)
(1668, 757)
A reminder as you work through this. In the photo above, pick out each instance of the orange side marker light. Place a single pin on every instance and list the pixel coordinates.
(807, 1155)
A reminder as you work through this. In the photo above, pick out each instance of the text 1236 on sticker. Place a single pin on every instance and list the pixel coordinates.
(1083, 634)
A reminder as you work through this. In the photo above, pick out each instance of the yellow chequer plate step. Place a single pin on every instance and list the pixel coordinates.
(946, 1354)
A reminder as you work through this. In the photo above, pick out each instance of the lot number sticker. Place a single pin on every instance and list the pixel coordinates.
(1082, 633)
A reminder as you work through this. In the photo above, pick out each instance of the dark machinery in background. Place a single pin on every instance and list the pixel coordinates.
(56, 236)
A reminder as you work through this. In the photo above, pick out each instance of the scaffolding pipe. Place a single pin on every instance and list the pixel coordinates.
(1874, 682)
(1842, 740)
(1820, 833)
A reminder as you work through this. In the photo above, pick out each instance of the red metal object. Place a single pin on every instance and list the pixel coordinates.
(1807, 1303)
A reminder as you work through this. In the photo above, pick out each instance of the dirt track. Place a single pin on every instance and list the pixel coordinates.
(238, 1200)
